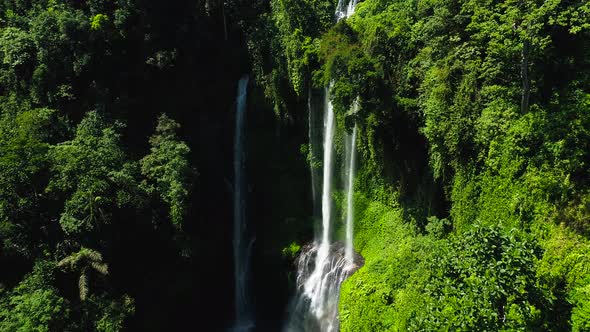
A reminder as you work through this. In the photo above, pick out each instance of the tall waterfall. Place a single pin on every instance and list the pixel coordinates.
(351, 147)
(313, 286)
(242, 243)
(324, 265)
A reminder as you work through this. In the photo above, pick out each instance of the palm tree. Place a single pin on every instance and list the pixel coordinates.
(83, 261)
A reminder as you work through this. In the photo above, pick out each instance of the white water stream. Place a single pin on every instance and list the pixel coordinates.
(324, 265)
(351, 147)
(241, 242)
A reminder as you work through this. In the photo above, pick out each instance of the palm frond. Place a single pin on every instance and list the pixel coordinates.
(101, 268)
(68, 261)
(83, 286)
(92, 255)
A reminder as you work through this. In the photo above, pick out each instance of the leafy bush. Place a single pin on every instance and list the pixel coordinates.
(483, 280)
(34, 305)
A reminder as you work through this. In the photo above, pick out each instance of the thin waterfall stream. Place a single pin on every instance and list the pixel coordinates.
(323, 265)
(351, 147)
(242, 244)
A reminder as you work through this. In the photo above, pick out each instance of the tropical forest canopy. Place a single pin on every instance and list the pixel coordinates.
(472, 195)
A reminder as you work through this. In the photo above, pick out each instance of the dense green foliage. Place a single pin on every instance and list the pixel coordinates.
(70, 184)
(95, 182)
(166, 169)
(34, 305)
(472, 199)
(488, 102)
(107, 109)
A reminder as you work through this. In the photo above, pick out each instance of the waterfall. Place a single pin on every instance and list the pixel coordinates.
(326, 192)
(241, 243)
(323, 266)
(313, 286)
(348, 250)
(344, 10)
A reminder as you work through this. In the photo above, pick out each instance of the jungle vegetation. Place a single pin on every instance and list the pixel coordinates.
(472, 195)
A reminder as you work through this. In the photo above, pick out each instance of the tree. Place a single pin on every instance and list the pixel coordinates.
(581, 311)
(484, 281)
(167, 170)
(24, 149)
(91, 171)
(83, 262)
(34, 305)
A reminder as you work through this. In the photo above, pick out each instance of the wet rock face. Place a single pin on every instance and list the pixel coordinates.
(315, 307)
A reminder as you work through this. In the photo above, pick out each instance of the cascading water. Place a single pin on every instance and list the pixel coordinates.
(242, 244)
(344, 10)
(323, 266)
(348, 249)
(313, 285)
